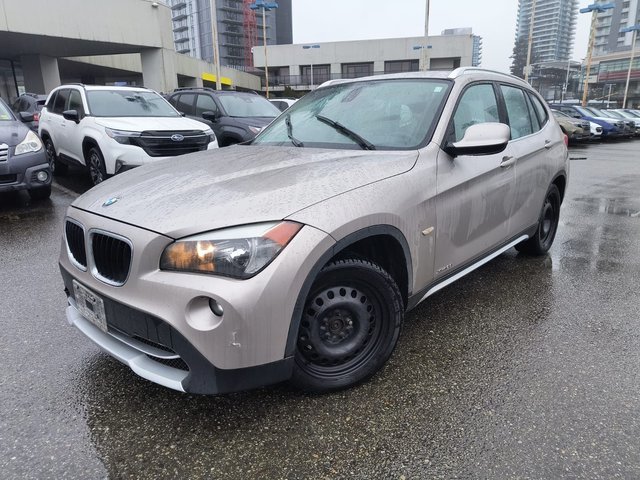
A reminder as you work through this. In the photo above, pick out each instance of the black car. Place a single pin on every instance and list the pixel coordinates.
(23, 162)
(31, 103)
(233, 116)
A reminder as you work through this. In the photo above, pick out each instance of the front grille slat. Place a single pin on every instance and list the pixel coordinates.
(75, 243)
(159, 144)
(4, 152)
(111, 257)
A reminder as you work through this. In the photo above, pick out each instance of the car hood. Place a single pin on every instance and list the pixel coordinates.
(12, 132)
(236, 185)
(141, 124)
(254, 121)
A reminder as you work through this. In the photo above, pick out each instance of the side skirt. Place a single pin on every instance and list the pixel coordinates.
(440, 284)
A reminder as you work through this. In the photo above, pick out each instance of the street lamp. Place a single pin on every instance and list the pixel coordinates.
(594, 8)
(306, 47)
(530, 41)
(264, 6)
(215, 44)
(633, 29)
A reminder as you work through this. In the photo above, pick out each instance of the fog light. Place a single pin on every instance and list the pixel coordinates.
(42, 176)
(216, 308)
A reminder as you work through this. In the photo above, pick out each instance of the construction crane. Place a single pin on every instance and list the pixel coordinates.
(250, 32)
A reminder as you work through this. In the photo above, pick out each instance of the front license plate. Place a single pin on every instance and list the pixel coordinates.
(90, 306)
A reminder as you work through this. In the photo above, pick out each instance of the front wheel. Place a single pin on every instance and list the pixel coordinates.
(349, 327)
(95, 163)
(542, 240)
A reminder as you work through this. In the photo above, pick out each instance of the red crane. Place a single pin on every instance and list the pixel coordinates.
(250, 32)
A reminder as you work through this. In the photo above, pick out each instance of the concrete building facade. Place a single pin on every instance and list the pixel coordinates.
(612, 52)
(294, 66)
(92, 42)
(554, 27)
(476, 57)
(192, 30)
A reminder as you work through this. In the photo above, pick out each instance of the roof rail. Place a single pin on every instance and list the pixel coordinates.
(76, 83)
(179, 89)
(465, 70)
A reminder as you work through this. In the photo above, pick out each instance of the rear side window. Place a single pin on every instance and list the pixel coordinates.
(477, 105)
(517, 111)
(185, 103)
(541, 112)
(60, 102)
(52, 100)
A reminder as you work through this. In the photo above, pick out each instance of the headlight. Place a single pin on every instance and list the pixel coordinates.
(30, 144)
(121, 136)
(255, 130)
(239, 252)
(212, 136)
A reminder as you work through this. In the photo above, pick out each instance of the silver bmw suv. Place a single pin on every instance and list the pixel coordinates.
(296, 257)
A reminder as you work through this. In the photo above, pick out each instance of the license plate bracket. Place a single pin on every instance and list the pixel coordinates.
(90, 306)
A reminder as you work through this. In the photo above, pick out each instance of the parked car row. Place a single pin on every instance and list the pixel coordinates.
(604, 124)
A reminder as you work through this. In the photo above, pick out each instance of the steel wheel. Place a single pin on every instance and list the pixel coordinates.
(548, 221)
(349, 327)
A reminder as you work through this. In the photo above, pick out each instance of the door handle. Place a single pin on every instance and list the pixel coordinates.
(507, 162)
(547, 144)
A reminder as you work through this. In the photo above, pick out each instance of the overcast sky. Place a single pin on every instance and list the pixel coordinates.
(494, 20)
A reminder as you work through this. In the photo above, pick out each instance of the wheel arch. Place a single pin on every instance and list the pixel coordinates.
(560, 181)
(372, 243)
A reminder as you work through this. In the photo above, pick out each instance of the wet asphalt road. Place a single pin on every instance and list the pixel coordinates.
(527, 368)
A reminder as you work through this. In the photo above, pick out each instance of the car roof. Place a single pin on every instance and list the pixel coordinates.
(462, 72)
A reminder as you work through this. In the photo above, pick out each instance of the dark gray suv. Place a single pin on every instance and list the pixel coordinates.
(234, 117)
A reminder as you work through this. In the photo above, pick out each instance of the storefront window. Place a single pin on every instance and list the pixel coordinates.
(11, 80)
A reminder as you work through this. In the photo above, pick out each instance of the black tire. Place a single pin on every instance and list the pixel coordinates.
(95, 164)
(41, 193)
(541, 242)
(349, 327)
(56, 166)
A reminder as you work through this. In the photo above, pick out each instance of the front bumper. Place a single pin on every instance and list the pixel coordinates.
(160, 366)
(19, 173)
(244, 348)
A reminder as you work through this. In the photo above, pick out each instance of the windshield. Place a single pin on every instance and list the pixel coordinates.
(558, 113)
(393, 114)
(128, 103)
(5, 113)
(584, 112)
(248, 105)
(597, 113)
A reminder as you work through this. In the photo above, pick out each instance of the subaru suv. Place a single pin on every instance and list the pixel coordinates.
(296, 257)
(112, 129)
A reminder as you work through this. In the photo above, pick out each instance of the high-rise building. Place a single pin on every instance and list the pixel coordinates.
(476, 59)
(554, 28)
(239, 28)
(609, 39)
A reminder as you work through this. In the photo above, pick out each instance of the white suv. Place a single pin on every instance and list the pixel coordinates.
(113, 129)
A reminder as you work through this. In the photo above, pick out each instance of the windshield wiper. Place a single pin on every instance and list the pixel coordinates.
(363, 142)
(294, 140)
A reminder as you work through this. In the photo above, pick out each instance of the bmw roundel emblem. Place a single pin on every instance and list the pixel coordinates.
(177, 137)
(110, 201)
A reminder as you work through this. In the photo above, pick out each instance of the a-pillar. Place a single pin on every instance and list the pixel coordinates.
(41, 73)
(158, 69)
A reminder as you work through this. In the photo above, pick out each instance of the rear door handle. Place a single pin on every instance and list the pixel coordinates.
(507, 162)
(547, 144)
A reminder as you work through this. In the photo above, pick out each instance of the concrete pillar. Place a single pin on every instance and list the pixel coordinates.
(41, 73)
(158, 69)
(194, 82)
(378, 67)
(336, 68)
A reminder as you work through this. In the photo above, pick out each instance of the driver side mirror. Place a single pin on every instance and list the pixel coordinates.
(481, 139)
(72, 115)
(26, 117)
(211, 116)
